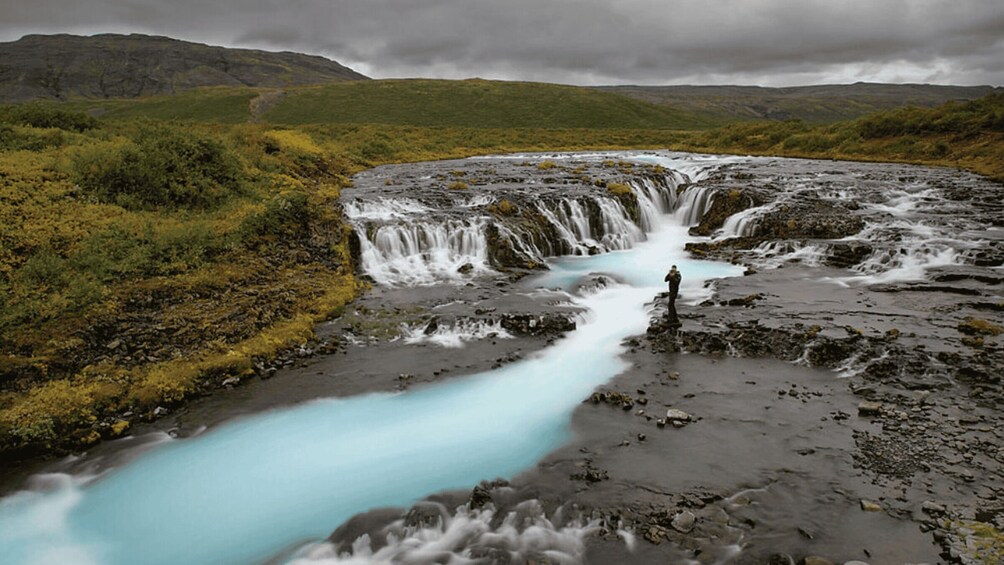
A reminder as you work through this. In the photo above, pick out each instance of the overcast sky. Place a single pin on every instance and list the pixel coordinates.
(588, 42)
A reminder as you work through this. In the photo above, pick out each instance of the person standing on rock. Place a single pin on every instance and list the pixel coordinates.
(673, 278)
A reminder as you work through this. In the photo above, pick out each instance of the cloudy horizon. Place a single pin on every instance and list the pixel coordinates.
(583, 42)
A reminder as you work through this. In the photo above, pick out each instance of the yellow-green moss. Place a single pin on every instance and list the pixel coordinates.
(618, 189)
(979, 326)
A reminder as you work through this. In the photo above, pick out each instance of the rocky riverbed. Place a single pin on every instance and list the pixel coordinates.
(840, 402)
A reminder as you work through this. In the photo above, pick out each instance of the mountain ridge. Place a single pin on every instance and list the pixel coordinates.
(114, 65)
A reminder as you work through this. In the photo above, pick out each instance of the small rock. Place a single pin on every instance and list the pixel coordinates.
(869, 506)
(674, 415)
(641, 437)
(115, 344)
(932, 507)
(232, 381)
(684, 521)
(815, 560)
(655, 534)
(674, 376)
(661, 423)
(869, 408)
(160, 411)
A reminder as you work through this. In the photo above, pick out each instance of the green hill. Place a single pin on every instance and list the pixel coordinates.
(468, 103)
(474, 103)
(966, 135)
(819, 104)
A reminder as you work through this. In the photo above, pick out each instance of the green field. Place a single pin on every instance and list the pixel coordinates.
(469, 103)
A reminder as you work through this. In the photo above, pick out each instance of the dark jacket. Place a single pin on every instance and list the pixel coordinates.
(674, 280)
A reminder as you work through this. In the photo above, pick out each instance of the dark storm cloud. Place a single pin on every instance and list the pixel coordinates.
(577, 41)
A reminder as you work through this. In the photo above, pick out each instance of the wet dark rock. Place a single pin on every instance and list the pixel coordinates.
(746, 301)
(619, 399)
(590, 475)
(537, 324)
(780, 559)
(426, 514)
(814, 219)
(870, 409)
(847, 254)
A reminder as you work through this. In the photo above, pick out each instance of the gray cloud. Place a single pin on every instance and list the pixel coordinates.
(771, 42)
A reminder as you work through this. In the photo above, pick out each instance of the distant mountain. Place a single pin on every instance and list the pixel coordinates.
(116, 66)
(812, 104)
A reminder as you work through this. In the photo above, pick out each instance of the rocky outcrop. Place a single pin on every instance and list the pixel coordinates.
(114, 66)
(726, 202)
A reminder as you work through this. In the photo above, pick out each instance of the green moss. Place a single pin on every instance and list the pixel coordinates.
(618, 189)
(978, 326)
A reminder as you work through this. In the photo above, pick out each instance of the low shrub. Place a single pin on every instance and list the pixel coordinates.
(39, 115)
(162, 168)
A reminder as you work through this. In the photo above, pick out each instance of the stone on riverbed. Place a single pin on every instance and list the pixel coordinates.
(673, 415)
(870, 409)
(684, 521)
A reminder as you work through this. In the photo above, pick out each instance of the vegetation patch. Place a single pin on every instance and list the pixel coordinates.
(979, 326)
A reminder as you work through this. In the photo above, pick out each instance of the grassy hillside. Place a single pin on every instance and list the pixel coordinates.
(468, 103)
(205, 105)
(966, 135)
(821, 104)
(473, 103)
(143, 262)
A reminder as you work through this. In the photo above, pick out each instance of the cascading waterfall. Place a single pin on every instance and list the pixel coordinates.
(399, 245)
(424, 252)
(574, 245)
(694, 202)
(743, 224)
(619, 232)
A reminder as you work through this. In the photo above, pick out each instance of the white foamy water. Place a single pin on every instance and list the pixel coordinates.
(525, 533)
(251, 488)
(456, 334)
(424, 253)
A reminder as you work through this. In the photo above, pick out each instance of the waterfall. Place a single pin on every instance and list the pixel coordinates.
(743, 224)
(619, 232)
(694, 202)
(384, 209)
(574, 217)
(574, 246)
(403, 244)
(424, 252)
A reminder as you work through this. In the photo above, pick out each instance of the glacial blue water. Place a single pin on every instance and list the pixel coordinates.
(255, 487)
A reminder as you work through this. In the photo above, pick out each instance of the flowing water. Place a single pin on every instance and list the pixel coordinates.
(256, 487)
